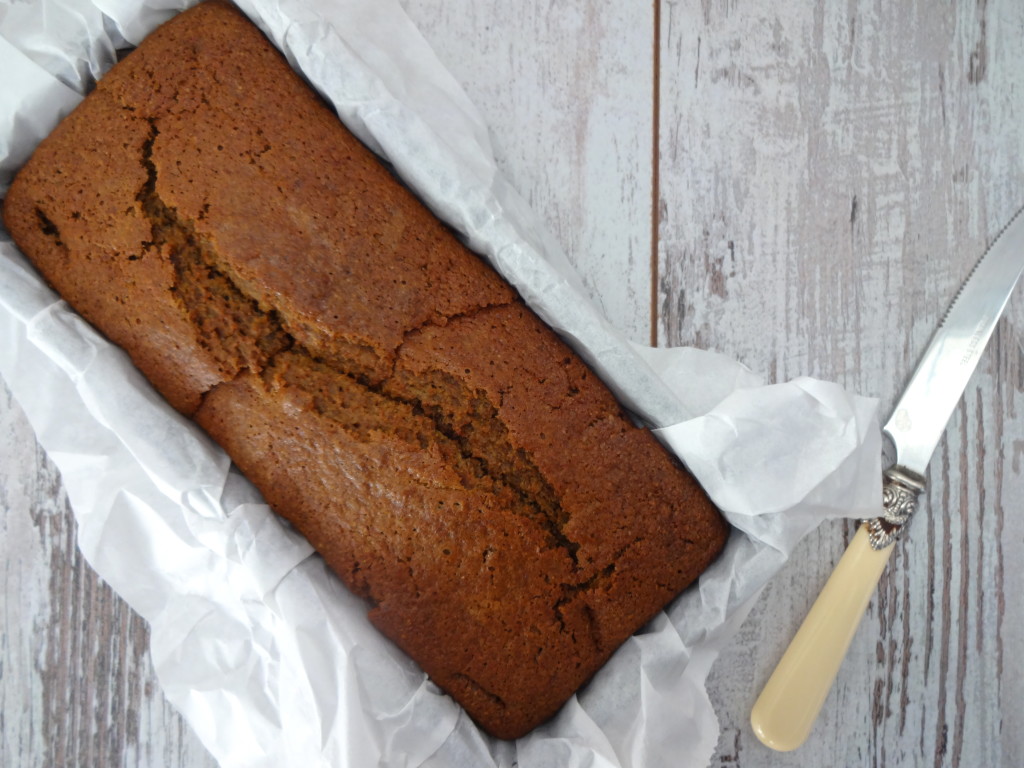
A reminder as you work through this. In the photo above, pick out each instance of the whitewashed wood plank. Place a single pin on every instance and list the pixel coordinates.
(76, 684)
(829, 174)
(567, 91)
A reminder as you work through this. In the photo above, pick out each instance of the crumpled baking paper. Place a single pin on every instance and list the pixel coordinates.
(267, 656)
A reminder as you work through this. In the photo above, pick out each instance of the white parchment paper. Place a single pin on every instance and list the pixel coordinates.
(267, 656)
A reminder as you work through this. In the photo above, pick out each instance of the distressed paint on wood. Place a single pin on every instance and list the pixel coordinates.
(830, 174)
(76, 684)
(567, 92)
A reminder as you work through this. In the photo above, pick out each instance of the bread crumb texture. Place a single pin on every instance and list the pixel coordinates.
(451, 459)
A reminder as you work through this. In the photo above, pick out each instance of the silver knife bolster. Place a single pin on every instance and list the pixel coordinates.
(901, 488)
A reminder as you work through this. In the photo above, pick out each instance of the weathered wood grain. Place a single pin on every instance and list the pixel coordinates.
(76, 684)
(829, 174)
(566, 90)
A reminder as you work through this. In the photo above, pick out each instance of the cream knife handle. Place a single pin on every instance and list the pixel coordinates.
(789, 704)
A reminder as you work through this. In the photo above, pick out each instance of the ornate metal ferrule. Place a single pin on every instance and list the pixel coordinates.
(900, 489)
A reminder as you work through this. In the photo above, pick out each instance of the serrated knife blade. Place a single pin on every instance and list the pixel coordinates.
(789, 704)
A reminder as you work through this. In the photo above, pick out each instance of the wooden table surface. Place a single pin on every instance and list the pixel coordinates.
(801, 186)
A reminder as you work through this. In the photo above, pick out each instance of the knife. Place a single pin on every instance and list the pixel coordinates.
(784, 713)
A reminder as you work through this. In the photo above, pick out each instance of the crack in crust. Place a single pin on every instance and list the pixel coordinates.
(48, 228)
(466, 681)
(428, 410)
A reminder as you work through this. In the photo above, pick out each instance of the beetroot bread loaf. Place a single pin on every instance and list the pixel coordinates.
(450, 458)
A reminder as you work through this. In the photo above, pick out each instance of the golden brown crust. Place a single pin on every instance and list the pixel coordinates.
(452, 460)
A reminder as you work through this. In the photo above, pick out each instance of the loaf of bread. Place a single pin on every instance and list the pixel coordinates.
(451, 459)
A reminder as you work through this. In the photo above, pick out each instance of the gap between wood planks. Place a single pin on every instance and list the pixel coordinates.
(655, 167)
